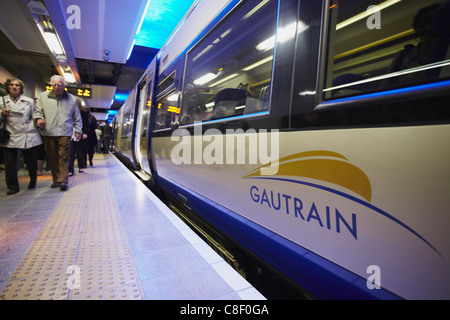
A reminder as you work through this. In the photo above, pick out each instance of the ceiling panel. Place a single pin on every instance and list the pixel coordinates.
(17, 25)
(105, 25)
(101, 97)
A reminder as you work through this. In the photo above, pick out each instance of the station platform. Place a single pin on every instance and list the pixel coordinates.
(106, 238)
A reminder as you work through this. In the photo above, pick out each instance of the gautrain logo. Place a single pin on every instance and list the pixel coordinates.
(319, 170)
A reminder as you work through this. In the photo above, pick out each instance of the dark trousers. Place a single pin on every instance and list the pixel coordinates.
(57, 150)
(10, 158)
(106, 143)
(78, 151)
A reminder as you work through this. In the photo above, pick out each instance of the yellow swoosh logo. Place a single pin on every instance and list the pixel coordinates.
(325, 166)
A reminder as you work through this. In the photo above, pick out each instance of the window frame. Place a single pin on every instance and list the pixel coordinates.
(172, 74)
(435, 88)
(233, 118)
(172, 71)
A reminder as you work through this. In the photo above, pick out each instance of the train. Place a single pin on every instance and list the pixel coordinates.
(306, 141)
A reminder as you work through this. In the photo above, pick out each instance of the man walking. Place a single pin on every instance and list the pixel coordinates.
(57, 116)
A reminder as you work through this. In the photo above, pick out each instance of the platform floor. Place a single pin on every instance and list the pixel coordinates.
(106, 238)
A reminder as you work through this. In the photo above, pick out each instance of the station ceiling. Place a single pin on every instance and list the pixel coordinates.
(107, 43)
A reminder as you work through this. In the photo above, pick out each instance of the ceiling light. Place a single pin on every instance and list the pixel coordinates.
(257, 64)
(143, 17)
(259, 6)
(131, 50)
(204, 79)
(266, 44)
(120, 96)
(69, 77)
(224, 79)
(283, 35)
(53, 43)
(173, 97)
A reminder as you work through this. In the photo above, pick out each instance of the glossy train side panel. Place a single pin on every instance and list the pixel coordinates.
(353, 197)
(126, 123)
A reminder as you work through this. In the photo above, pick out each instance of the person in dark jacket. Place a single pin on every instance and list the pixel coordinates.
(78, 148)
(106, 136)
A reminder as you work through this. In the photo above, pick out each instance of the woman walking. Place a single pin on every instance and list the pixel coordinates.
(17, 110)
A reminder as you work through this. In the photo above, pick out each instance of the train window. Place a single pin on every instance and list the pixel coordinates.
(228, 73)
(167, 112)
(128, 118)
(165, 83)
(378, 45)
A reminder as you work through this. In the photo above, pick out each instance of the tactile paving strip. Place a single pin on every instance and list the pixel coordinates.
(44, 287)
(82, 251)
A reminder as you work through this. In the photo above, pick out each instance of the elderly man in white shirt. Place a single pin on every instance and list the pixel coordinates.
(57, 116)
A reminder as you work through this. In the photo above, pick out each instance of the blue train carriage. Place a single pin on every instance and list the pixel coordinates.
(131, 127)
(310, 138)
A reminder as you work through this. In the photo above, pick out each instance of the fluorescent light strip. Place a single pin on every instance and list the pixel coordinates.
(204, 79)
(173, 97)
(394, 74)
(202, 53)
(224, 79)
(437, 85)
(131, 49)
(53, 43)
(365, 14)
(257, 64)
(143, 17)
(259, 6)
(69, 77)
(266, 44)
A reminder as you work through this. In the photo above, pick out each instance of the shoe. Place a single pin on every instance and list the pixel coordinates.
(31, 185)
(55, 185)
(70, 174)
(12, 191)
(63, 186)
(80, 171)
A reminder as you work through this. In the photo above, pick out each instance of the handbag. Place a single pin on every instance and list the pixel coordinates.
(4, 134)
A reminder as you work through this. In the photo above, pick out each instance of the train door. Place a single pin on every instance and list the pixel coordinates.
(143, 110)
(139, 105)
(146, 119)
